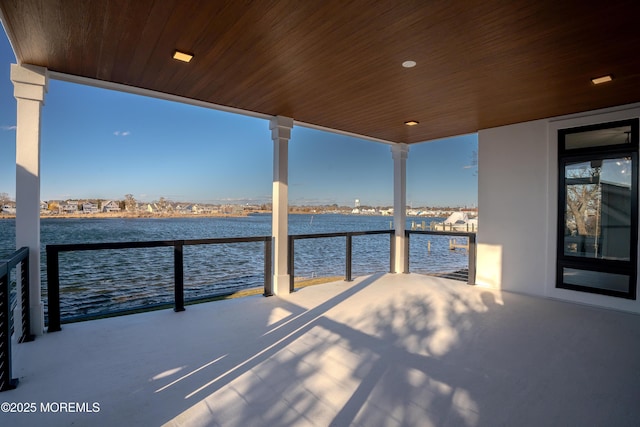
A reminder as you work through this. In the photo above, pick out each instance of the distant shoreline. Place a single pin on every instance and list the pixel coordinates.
(115, 215)
(130, 215)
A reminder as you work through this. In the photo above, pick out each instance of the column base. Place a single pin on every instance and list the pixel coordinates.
(401, 254)
(281, 285)
(37, 319)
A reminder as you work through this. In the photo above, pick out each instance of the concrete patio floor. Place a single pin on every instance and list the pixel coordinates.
(384, 350)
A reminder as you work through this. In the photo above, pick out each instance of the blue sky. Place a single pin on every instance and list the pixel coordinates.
(104, 144)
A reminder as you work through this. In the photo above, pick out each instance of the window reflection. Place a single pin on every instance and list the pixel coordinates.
(598, 209)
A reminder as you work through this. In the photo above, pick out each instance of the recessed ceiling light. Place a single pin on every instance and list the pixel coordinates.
(411, 123)
(409, 64)
(603, 79)
(182, 56)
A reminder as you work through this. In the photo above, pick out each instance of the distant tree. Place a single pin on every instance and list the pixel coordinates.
(4, 198)
(583, 198)
(129, 203)
(162, 204)
(53, 206)
(474, 162)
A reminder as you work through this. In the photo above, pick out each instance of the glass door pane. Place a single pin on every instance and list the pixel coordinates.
(598, 209)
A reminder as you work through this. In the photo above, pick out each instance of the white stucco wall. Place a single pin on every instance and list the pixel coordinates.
(512, 206)
(517, 201)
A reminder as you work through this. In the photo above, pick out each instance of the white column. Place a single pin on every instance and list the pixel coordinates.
(30, 86)
(399, 153)
(280, 134)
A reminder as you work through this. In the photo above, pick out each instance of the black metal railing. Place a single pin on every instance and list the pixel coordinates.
(471, 249)
(348, 235)
(21, 256)
(53, 269)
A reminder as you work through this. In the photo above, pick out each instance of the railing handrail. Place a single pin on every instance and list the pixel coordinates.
(20, 256)
(339, 234)
(14, 260)
(68, 247)
(53, 270)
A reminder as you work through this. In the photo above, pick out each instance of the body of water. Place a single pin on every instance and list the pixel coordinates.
(107, 280)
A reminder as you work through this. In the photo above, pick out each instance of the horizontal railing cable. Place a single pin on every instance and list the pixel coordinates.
(21, 256)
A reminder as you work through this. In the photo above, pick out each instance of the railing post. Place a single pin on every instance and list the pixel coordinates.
(24, 303)
(178, 268)
(392, 252)
(53, 290)
(268, 255)
(472, 259)
(6, 383)
(291, 250)
(347, 273)
(407, 245)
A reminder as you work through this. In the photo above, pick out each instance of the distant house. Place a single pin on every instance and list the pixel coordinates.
(69, 207)
(184, 209)
(208, 209)
(89, 208)
(472, 212)
(111, 206)
(231, 209)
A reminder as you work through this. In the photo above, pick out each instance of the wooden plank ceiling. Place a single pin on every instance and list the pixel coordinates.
(337, 63)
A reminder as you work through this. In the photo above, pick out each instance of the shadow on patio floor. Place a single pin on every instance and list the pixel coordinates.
(383, 350)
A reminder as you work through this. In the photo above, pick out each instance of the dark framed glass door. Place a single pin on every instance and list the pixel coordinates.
(598, 209)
